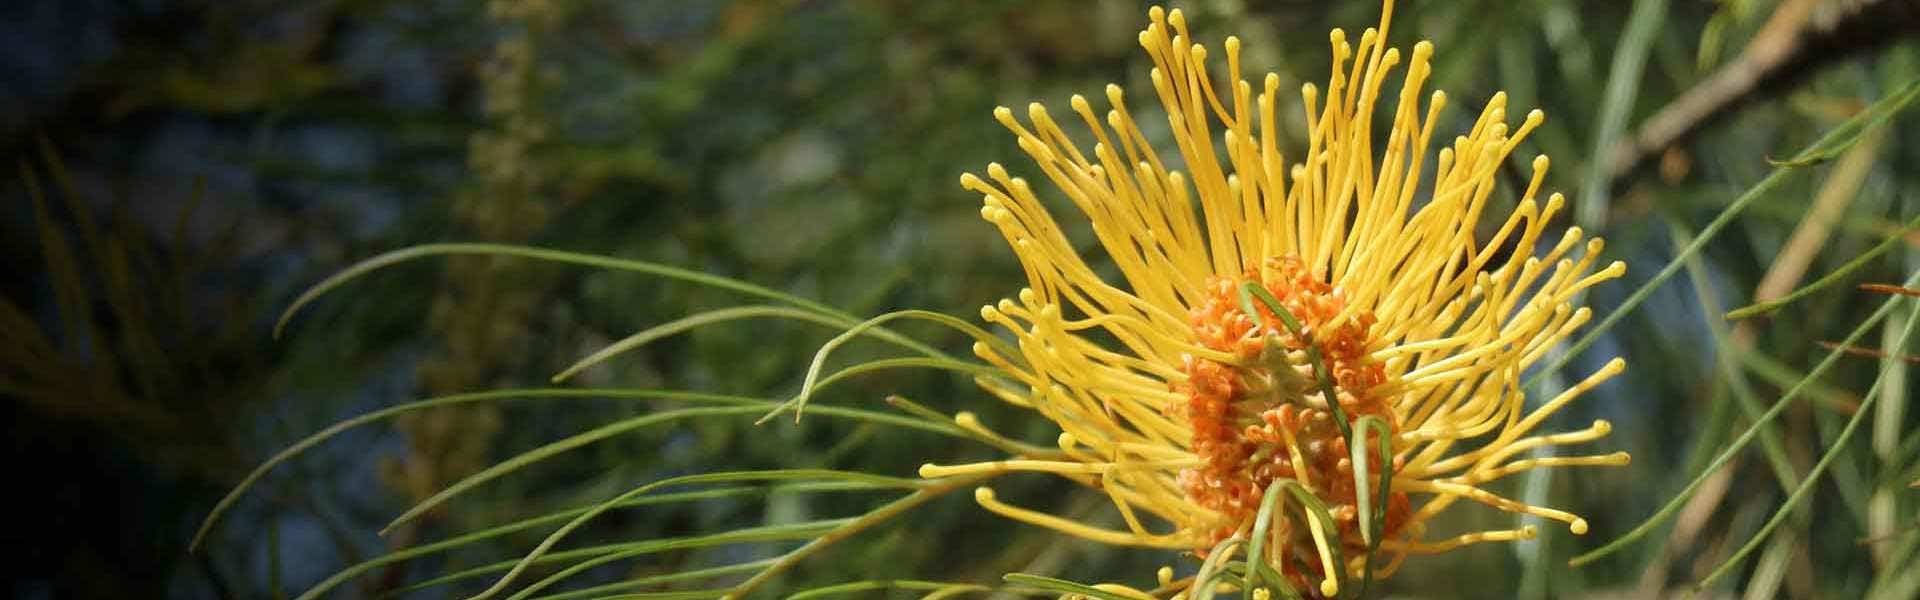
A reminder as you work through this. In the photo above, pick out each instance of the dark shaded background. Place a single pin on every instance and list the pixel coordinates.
(179, 170)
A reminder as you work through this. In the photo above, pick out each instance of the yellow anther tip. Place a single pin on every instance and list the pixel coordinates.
(1541, 162)
(927, 470)
(1337, 36)
(1578, 527)
(1329, 587)
(1036, 111)
(1028, 297)
(1078, 102)
(981, 349)
(982, 494)
(966, 418)
(1002, 113)
(1422, 48)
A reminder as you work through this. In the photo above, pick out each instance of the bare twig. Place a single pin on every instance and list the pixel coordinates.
(1882, 288)
(1875, 353)
(1800, 37)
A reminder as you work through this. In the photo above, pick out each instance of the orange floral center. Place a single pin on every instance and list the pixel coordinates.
(1265, 418)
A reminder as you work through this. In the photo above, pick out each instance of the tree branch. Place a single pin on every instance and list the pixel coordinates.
(1800, 38)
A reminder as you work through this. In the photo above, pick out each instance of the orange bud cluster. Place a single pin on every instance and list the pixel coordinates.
(1262, 419)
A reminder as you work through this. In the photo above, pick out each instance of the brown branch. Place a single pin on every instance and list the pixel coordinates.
(1882, 288)
(1866, 352)
(1796, 41)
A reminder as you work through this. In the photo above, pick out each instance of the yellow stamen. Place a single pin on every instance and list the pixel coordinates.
(985, 498)
(1165, 396)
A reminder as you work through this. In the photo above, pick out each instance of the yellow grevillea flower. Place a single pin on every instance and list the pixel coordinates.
(1185, 393)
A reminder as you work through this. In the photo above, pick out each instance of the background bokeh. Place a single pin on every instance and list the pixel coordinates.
(180, 170)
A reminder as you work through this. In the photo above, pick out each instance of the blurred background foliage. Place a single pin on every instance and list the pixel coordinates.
(181, 169)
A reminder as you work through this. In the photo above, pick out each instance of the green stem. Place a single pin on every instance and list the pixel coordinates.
(1837, 275)
(855, 526)
(1250, 290)
(1673, 505)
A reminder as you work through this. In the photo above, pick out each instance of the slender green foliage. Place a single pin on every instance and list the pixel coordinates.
(1833, 451)
(799, 402)
(732, 402)
(402, 255)
(943, 588)
(695, 321)
(1062, 586)
(1843, 273)
(725, 477)
(1836, 140)
(1673, 504)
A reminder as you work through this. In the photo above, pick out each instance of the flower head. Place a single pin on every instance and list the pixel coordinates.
(1269, 315)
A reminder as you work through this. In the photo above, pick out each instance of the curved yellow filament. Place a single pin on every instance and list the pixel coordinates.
(985, 498)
